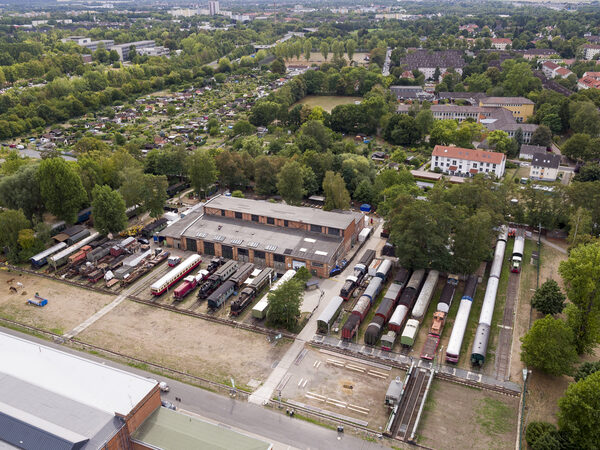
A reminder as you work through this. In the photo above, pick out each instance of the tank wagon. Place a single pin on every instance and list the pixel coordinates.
(329, 315)
(482, 335)
(249, 292)
(221, 294)
(406, 301)
(460, 323)
(517, 255)
(217, 279)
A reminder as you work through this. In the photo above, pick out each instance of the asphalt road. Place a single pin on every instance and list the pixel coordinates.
(283, 431)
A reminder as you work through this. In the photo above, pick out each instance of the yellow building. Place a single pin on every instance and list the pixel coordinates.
(520, 107)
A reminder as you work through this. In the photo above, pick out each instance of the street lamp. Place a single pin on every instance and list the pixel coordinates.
(525, 374)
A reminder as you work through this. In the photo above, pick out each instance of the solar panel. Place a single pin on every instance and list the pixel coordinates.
(287, 251)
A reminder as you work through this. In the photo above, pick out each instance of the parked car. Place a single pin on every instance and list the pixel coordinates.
(169, 405)
(163, 386)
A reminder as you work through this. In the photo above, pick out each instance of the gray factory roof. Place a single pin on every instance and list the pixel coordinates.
(251, 235)
(340, 220)
(506, 101)
(42, 419)
(57, 400)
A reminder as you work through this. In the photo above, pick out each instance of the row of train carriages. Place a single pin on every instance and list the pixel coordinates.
(407, 299)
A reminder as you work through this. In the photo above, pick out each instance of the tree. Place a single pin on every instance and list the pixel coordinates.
(585, 118)
(535, 430)
(278, 66)
(22, 191)
(578, 412)
(549, 346)
(154, 194)
(471, 242)
(290, 182)
(350, 49)
(575, 146)
(581, 274)
(548, 298)
(424, 121)
(265, 174)
(202, 170)
(500, 140)
(108, 209)
(61, 188)
(12, 223)
(89, 144)
(586, 369)
(364, 192)
(284, 304)
(307, 49)
(243, 127)
(588, 172)
(336, 194)
(324, 49)
(402, 130)
(542, 136)
(132, 186)
(263, 113)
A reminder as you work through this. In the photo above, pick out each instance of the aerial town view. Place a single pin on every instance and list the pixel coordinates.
(300, 224)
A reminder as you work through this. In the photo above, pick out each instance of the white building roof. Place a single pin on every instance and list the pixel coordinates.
(81, 380)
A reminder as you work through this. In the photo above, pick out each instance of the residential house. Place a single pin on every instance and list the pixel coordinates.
(501, 43)
(553, 70)
(544, 167)
(590, 50)
(427, 62)
(529, 151)
(467, 162)
(589, 80)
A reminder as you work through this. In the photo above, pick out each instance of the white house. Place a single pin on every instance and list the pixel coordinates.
(590, 50)
(501, 43)
(544, 166)
(552, 70)
(467, 162)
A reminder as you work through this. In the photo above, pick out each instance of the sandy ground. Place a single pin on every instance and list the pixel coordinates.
(199, 347)
(457, 417)
(67, 306)
(342, 385)
(317, 58)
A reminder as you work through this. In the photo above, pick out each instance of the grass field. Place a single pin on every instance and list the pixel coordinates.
(328, 102)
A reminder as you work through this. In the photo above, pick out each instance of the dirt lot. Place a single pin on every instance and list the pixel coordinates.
(354, 390)
(67, 306)
(196, 346)
(317, 58)
(457, 417)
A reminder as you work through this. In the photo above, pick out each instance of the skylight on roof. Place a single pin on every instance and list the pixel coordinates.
(312, 241)
(320, 253)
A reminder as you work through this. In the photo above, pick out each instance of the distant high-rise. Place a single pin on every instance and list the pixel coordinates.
(213, 8)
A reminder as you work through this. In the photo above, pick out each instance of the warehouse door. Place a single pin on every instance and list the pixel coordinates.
(297, 264)
(243, 255)
(209, 248)
(190, 245)
(227, 251)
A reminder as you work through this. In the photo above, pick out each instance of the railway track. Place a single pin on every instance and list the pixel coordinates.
(399, 365)
(502, 360)
(410, 405)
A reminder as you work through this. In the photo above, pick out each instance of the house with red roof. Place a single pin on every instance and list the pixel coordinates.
(467, 162)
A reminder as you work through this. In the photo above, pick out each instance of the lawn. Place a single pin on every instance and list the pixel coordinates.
(328, 102)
